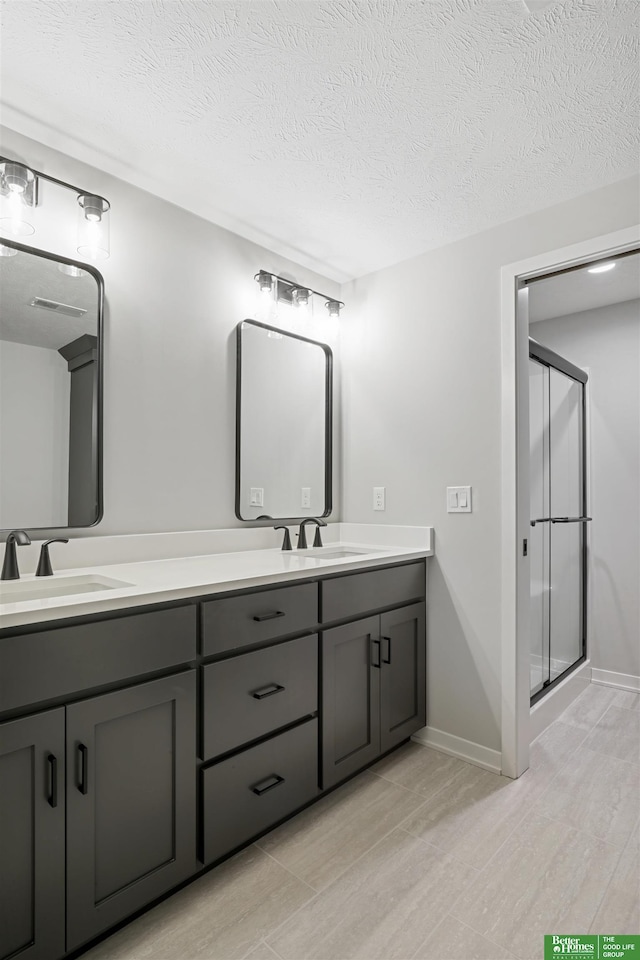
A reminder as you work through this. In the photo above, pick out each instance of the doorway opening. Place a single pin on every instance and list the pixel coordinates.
(533, 625)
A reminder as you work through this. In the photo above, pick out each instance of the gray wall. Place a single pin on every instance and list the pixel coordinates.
(176, 286)
(34, 428)
(421, 355)
(607, 343)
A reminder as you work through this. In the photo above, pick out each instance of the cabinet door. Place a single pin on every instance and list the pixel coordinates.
(350, 699)
(131, 775)
(403, 676)
(32, 837)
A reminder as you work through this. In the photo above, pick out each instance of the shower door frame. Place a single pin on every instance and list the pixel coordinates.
(515, 515)
(553, 361)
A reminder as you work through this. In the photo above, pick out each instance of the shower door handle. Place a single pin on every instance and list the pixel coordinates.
(561, 520)
(571, 519)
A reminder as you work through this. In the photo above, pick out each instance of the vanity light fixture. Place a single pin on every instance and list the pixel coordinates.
(18, 188)
(7, 251)
(602, 267)
(19, 192)
(93, 226)
(301, 296)
(265, 281)
(286, 291)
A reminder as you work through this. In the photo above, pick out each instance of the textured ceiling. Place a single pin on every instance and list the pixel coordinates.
(580, 290)
(348, 134)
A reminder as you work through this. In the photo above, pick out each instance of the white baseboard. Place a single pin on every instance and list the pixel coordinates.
(556, 701)
(459, 747)
(624, 681)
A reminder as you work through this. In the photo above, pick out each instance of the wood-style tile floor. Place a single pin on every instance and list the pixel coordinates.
(424, 856)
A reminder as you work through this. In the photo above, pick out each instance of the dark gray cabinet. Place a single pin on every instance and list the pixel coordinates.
(403, 682)
(253, 790)
(98, 808)
(250, 696)
(130, 801)
(373, 688)
(350, 698)
(32, 837)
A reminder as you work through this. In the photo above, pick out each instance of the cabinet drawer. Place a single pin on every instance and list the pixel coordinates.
(257, 617)
(247, 793)
(249, 696)
(54, 663)
(360, 593)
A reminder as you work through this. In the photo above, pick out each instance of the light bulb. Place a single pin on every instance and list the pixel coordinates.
(7, 251)
(18, 184)
(602, 268)
(93, 226)
(301, 296)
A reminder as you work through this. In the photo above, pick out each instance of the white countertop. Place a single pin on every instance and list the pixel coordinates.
(156, 581)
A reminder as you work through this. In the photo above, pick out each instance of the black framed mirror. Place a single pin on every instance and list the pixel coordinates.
(51, 334)
(284, 424)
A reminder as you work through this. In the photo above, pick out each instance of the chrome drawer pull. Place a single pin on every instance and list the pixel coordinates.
(268, 691)
(266, 785)
(268, 616)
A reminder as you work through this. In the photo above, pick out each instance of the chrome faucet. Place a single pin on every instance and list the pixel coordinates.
(10, 566)
(302, 536)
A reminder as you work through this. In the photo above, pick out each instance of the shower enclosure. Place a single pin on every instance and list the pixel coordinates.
(558, 531)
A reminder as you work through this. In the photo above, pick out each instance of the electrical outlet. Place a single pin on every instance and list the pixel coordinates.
(458, 499)
(379, 498)
(256, 497)
(305, 499)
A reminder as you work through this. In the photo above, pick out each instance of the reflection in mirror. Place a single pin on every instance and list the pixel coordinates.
(50, 382)
(283, 425)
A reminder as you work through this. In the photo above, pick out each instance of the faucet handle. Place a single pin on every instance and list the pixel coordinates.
(317, 540)
(286, 540)
(44, 563)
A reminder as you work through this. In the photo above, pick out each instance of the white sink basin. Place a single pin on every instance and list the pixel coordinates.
(327, 553)
(18, 591)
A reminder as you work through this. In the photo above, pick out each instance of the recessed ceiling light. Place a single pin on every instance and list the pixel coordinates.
(602, 268)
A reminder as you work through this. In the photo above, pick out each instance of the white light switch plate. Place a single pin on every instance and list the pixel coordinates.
(305, 499)
(458, 499)
(256, 497)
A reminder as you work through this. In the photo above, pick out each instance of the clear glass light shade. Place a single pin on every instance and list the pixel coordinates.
(7, 251)
(17, 199)
(333, 308)
(301, 296)
(93, 227)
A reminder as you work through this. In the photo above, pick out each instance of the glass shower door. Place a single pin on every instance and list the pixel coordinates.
(558, 517)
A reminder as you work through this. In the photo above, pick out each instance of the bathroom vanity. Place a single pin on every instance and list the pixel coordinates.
(142, 743)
